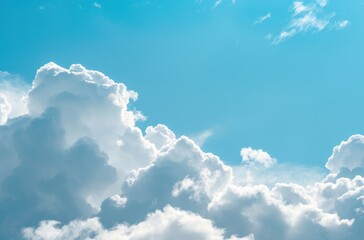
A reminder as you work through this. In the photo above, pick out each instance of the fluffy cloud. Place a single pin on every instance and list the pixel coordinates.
(349, 154)
(73, 148)
(77, 167)
(252, 157)
(182, 176)
(5, 109)
(15, 90)
(169, 223)
(47, 179)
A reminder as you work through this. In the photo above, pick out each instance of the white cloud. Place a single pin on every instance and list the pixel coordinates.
(160, 136)
(169, 223)
(15, 90)
(5, 109)
(76, 120)
(343, 24)
(253, 157)
(263, 18)
(349, 154)
(78, 165)
(299, 7)
(308, 17)
(217, 2)
(322, 3)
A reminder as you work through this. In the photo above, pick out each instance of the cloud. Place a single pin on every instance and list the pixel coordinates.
(48, 180)
(77, 166)
(159, 135)
(15, 91)
(256, 157)
(182, 176)
(97, 5)
(263, 18)
(5, 109)
(342, 24)
(202, 137)
(70, 151)
(308, 17)
(216, 2)
(169, 223)
(349, 154)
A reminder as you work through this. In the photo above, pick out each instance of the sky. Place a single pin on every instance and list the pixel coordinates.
(222, 66)
(120, 116)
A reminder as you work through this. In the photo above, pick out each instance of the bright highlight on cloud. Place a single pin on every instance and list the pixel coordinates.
(76, 166)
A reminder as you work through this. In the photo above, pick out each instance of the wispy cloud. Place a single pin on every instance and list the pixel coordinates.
(217, 2)
(97, 5)
(201, 138)
(263, 18)
(342, 24)
(310, 17)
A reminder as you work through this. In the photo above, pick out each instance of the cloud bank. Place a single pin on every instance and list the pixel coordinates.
(74, 165)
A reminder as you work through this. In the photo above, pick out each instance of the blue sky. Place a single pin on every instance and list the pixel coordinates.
(199, 66)
(253, 130)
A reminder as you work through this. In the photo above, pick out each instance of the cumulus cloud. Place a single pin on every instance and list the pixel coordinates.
(349, 154)
(5, 109)
(308, 16)
(254, 157)
(76, 166)
(169, 223)
(15, 91)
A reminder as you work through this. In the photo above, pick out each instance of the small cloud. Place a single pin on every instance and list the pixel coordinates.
(97, 5)
(263, 18)
(342, 24)
(255, 157)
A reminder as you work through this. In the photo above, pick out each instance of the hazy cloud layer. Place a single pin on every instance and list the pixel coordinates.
(75, 166)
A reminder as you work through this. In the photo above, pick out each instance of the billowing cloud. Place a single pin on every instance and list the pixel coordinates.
(349, 154)
(169, 223)
(5, 109)
(76, 166)
(15, 91)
